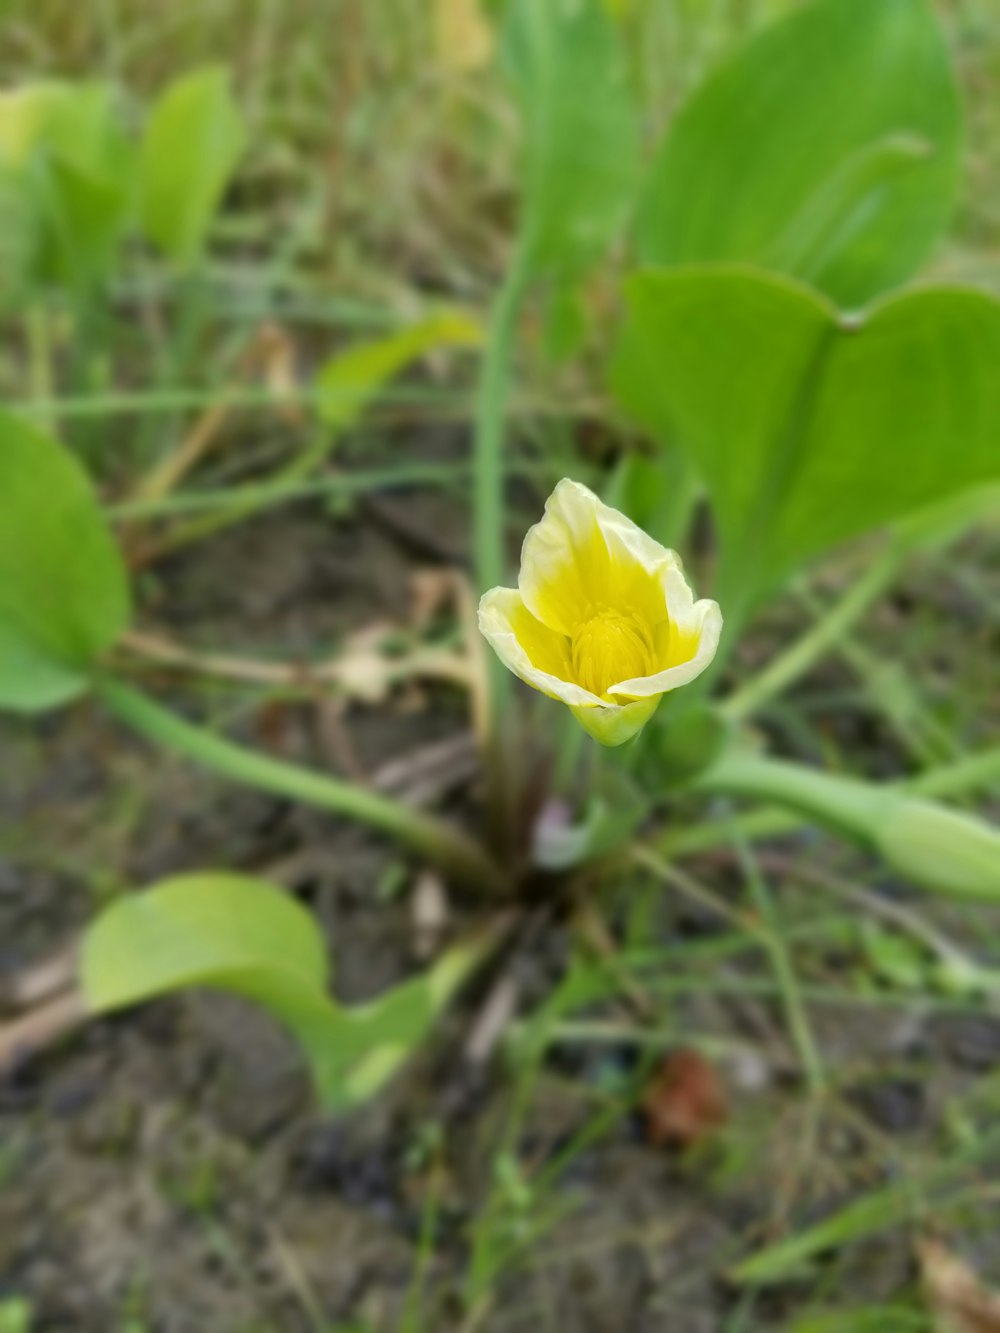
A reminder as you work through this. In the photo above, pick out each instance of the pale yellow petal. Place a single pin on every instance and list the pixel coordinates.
(583, 556)
(528, 648)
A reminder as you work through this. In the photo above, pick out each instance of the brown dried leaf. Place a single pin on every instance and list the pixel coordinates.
(685, 1102)
(366, 673)
(955, 1296)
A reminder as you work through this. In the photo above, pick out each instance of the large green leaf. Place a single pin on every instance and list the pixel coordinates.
(810, 428)
(231, 933)
(63, 588)
(581, 151)
(828, 148)
(193, 141)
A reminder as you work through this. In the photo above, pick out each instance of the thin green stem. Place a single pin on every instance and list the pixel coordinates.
(488, 516)
(441, 843)
(973, 773)
(897, 697)
(167, 400)
(415, 1296)
(824, 635)
(235, 498)
(40, 372)
(784, 971)
(494, 386)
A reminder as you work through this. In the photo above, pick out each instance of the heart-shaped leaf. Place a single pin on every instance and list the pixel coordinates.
(829, 149)
(581, 154)
(810, 428)
(64, 595)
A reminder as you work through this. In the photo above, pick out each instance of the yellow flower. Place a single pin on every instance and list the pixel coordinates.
(602, 617)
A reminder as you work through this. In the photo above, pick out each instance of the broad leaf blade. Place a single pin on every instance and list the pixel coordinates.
(223, 932)
(193, 141)
(198, 930)
(64, 596)
(581, 152)
(828, 148)
(807, 429)
(230, 933)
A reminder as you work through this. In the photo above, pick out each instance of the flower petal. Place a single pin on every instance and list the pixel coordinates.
(583, 554)
(690, 646)
(530, 649)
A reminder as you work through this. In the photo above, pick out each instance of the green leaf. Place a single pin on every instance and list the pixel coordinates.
(567, 66)
(193, 141)
(84, 217)
(66, 162)
(15, 1315)
(349, 381)
(230, 933)
(375, 1039)
(50, 114)
(197, 930)
(226, 932)
(74, 120)
(807, 428)
(828, 148)
(64, 595)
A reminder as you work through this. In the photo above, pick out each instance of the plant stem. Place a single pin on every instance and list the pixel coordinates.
(933, 846)
(974, 773)
(784, 972)
(40, 372)
(258, 495)
(488, 513)
(801, 656)
(488, 445)
(448, 847)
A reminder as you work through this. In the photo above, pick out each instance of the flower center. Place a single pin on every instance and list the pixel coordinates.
(611, 647)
